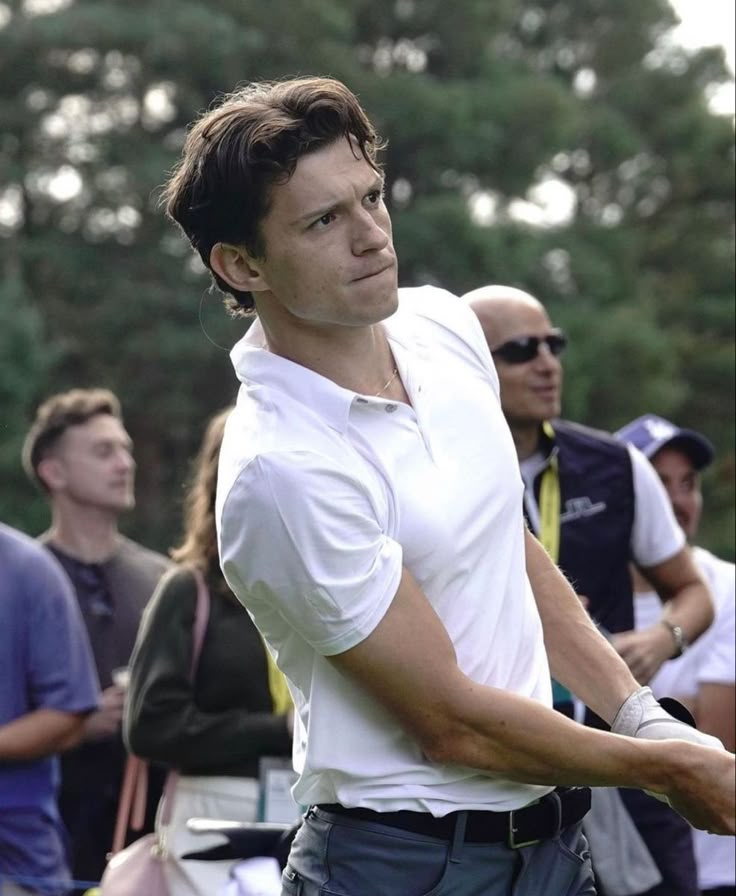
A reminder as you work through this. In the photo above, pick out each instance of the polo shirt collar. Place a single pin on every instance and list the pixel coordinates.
(256, 367)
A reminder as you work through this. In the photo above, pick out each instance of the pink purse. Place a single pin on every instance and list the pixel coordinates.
(140, 868)
(137, 869)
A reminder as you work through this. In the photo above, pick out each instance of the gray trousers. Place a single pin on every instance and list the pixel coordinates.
(334, 855)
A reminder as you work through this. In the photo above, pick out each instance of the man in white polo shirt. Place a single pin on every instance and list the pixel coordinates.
(370, 518)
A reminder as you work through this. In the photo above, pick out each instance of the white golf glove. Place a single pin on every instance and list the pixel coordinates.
(641, 715)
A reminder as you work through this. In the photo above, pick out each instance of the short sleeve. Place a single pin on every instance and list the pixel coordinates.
(655, 535)
(303, 537)
(61, 671)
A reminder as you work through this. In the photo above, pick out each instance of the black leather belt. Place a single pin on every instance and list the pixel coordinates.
(522, 827)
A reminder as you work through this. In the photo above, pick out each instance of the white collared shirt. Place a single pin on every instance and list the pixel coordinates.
(323, 495)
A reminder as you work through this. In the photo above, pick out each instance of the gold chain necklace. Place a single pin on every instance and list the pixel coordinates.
(393, 377)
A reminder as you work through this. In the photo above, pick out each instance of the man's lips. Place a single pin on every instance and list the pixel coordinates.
(375, 272)
(546, 391)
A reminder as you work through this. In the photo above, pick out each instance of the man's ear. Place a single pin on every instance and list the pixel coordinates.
(235, 266)
(51, 472)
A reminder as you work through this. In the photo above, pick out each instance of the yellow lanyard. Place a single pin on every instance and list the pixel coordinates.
(549, 503)
(280, 696)
(549, 535)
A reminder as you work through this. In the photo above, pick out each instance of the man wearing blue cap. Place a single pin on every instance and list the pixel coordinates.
(704, 677)
(595, 505)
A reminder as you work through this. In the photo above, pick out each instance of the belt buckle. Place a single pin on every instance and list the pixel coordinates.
(511, 840)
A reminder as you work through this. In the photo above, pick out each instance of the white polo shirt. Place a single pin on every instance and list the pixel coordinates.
(323, 494)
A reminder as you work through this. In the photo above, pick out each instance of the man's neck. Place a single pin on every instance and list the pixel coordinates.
(88, 535)
(526, 439)
(358, 359)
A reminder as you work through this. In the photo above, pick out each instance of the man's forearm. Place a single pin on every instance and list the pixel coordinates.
(39, 734)
(580, 657)
(408, 664)
(520, 739)
(517, 738)
(687, 601)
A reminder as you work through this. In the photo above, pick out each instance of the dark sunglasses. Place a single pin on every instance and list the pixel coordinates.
(526, 348)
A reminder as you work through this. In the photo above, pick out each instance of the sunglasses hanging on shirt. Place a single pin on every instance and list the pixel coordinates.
(526, 348)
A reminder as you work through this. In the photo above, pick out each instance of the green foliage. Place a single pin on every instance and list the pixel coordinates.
(27, 360)
(480, 102)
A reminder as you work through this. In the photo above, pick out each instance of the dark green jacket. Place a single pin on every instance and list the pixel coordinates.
(224, 722)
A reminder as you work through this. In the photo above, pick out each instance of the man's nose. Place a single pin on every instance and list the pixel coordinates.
(125, 459)
(369, 233)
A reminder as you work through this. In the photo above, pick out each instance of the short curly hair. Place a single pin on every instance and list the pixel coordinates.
(55, 416)
(236, 151)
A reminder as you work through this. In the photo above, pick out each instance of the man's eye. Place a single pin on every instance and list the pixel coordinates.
(324, 220)
(374, 197)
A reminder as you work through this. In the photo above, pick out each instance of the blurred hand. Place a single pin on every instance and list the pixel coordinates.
(644, 651)
(106, 721)
(706, 794)
(642, 716)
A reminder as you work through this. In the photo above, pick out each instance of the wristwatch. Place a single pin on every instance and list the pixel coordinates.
(678, 636)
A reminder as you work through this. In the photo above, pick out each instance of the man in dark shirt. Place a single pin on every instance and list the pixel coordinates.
(80, 454)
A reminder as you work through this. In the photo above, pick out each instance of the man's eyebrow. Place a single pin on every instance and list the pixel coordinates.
(377, 183)
(316, 213)
(111, 443)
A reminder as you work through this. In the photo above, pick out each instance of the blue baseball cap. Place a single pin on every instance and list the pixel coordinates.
(650, 433)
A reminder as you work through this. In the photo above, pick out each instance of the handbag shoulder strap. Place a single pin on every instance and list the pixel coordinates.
(135, 778)
(133, 793)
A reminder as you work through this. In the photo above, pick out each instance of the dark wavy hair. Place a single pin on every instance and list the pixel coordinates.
(238, 150)
(199, 544)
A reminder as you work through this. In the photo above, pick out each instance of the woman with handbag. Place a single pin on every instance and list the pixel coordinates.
(214, 722)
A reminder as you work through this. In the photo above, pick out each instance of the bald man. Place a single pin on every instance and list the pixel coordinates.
(595, 504)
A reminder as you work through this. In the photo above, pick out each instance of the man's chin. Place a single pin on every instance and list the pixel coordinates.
(548, 411)
(122, 506)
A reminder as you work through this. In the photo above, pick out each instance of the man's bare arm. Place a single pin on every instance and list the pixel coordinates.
(580, 657)
(40, 733)
(687, 603)
(408, 664)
